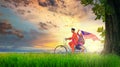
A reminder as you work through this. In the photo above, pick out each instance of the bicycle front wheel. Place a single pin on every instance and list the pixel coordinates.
(60, 49)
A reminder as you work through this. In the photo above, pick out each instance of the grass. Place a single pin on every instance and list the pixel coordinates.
(58, 60)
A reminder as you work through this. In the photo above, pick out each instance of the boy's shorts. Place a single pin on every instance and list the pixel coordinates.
(78, 47)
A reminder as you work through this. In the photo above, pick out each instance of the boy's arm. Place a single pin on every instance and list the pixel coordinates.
(78, 32)
(68, 38)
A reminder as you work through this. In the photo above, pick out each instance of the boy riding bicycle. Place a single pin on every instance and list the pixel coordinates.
(77, 41)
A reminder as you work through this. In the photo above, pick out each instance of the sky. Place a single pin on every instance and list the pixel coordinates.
(45, 27)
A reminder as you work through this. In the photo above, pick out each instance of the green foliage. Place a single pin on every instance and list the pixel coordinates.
(86, 2)
(101, 30)
(109, 10)
(99, 11)
(102, 1)
(98, 7)
(58, 60)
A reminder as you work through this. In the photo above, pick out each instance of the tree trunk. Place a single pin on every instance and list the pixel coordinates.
(112, 40)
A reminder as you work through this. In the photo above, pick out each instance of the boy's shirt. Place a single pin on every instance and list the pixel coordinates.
(74, 38)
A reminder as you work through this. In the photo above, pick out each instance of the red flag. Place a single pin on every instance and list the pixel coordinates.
(88, 35)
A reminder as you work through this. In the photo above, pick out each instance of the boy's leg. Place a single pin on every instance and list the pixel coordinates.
(82, 48)
(71, 44)
(78, 47)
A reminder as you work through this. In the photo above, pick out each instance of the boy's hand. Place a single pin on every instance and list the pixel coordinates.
(78, 29)
(66, 38)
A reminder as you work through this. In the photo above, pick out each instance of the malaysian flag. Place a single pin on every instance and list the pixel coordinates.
(88, 35)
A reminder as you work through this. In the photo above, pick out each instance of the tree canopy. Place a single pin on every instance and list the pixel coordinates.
(99, 8)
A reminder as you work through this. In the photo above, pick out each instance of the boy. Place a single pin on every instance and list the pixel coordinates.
(74, 39)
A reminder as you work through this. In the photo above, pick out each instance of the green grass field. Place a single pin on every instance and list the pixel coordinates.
(58, 60)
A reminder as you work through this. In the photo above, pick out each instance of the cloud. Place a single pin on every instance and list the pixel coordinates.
(47, 25)
(43, 26)
(21, 11)
(46, 3)
(29, 40)
(1, 14)
(3, 6)
(52, 24)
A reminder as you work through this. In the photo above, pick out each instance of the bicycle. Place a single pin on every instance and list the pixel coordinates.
(66, 49)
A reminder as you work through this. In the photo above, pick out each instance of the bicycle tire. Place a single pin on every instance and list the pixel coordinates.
(56, 50)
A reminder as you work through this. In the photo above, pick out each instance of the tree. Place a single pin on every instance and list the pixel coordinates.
(112, 44)
(109, 11)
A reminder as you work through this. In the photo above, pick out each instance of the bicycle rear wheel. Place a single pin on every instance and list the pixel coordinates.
(85, 50)
(60, 49)
(80, 50)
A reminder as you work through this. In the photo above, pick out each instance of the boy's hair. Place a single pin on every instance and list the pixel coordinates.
(73, 29)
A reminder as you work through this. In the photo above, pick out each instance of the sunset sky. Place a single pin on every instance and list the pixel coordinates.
(46, 27)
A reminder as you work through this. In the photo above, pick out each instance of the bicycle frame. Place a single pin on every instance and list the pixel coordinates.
(66, 45)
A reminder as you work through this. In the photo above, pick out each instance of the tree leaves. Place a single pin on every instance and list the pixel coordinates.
(86, 2)
(98, 7)
(101, 30)
(99, 11)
